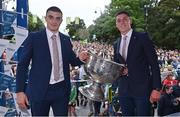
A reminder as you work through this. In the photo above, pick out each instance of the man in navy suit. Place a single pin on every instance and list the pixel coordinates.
(140, 83)
(47, 82)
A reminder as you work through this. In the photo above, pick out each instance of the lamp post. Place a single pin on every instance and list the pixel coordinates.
(146, 16)
(3, 7)
(99, 13)
(98, 9)
(1, 19)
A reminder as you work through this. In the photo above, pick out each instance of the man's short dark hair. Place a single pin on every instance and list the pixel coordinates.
(54, 8)
(123, 12)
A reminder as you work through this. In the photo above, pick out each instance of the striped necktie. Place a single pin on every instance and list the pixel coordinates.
(55, 58)
(124, 44)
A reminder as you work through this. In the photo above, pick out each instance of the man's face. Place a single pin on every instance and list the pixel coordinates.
(53, 19)
(123, 23)
(169, 90)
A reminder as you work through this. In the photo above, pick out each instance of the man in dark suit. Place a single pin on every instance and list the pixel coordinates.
(48, 83)
(140, 83)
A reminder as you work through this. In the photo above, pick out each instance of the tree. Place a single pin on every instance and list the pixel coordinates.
(34, 23)
(83, 34)
(105, 28)
(74, 28)
(160, 18)
(164, 24)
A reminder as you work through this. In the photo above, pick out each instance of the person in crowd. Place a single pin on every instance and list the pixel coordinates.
(82, 76)
(50, 54)
(169, 80)
(176, 89)
(91, 109)
(177, 72)
(72, 101)
(75, 77)
(140, 83)
(97, 108)
(168, 103)
(174, 62)
(13, 70)
(2, 61)
(1, 66)
(2, 99)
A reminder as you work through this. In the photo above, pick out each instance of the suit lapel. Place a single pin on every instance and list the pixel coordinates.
(46, 48)
(45, 43)
(118, 53)
(131, 45)
(62, 40)
(118, 45)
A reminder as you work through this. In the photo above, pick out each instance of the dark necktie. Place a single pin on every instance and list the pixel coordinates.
(55, 58)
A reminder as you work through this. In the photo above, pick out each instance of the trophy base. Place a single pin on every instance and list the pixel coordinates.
(93, 92)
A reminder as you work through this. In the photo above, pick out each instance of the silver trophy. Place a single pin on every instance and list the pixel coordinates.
(100, 71)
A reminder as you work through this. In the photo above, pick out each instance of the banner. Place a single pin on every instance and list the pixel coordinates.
(3, 45)
(3, 110)
(19, 37)
(19, 32)
(22, 11)
(8, 17)
(1, 66)
(7, 104)
(6, 82)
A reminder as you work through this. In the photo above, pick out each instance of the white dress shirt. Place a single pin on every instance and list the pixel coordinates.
(49, 35)
(127, 42)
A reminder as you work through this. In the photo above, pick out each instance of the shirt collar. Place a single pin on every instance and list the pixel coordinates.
(49, 33)
(128, 34)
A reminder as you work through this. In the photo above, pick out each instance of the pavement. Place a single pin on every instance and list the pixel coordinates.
(82, 110)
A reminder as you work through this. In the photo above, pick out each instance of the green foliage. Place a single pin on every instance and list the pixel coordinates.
(161, 18)
(83, 34)
(34, 23)
(164, 24)
(74, 30)
(105, 28)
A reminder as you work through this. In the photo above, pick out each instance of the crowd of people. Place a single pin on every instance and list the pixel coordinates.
(169, 62)
(139, 85)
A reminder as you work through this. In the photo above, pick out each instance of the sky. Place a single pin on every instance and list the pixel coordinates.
(84, 9)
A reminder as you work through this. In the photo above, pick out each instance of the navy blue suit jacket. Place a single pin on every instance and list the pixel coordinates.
(142, 64)
(36, 48)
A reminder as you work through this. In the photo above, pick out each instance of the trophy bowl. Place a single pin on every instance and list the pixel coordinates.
(101, 71)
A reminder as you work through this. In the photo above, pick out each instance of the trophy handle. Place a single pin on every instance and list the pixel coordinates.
(93, 91)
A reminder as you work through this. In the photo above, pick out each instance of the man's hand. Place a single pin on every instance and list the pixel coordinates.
(84, 56)
(124, 71)
(22, 100)
(155, 96)
(178, 99)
